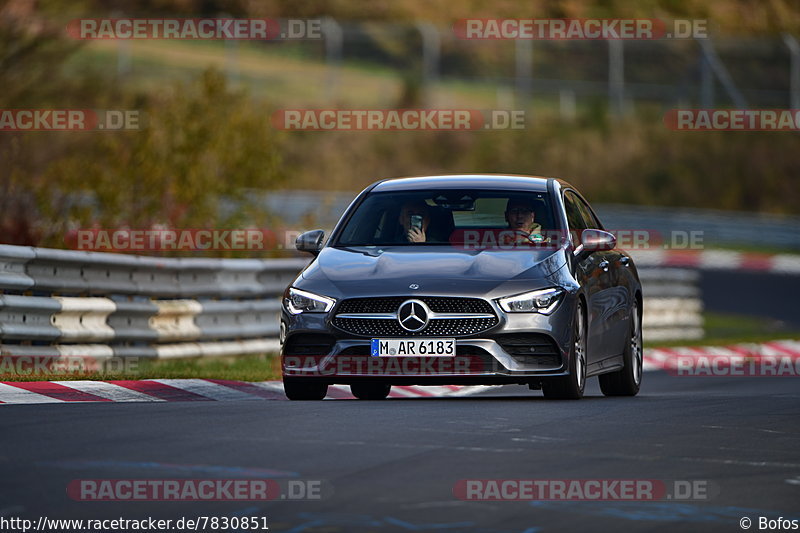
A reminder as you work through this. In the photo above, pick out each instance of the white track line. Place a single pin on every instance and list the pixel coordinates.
(109, 391)
(436, 390)
(208, 389)
(473, 389)
(11, 394)
(272, 386)
(403, 393)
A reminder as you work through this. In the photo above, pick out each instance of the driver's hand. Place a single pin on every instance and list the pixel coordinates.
(415, 235)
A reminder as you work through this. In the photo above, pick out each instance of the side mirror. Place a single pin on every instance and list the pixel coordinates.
(594, 240)
(310, 241)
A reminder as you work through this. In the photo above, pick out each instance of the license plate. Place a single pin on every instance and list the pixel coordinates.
(413, 347)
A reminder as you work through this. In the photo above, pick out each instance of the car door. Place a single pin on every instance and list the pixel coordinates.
(592, 277)
(612, 298)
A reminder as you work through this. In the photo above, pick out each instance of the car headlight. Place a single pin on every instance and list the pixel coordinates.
(296, 301)
(542, 301)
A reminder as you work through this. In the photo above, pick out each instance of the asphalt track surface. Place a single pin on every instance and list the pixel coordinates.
(391, 466)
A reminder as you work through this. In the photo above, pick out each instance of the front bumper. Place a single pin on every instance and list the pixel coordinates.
(519, 349)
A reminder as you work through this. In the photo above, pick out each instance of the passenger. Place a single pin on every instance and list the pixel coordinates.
(415, 216)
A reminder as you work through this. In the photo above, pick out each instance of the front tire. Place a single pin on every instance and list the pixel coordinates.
(304, 389)
(626, 382)
(370, 391)
(570, 387)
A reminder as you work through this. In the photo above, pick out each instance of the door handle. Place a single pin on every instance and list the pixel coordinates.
(604, 265)
(625, 261)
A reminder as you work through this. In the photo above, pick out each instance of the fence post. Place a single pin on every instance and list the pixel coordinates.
(567, 108)
(431, 54)
(706, 83)
(616, 77)
(123, 51)
(794, 70)
(334, 39)
(721, 72)
(523, 59)
(231, 57)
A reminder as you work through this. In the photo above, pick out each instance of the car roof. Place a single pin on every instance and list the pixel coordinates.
(465, 181)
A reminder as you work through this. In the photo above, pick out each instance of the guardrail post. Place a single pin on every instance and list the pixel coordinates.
(794, 70)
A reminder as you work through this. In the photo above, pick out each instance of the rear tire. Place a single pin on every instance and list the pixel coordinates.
(304, 390)
(571, 387)
(626, 382)
(370, 391)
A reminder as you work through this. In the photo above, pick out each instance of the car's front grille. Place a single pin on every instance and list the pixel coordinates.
(530, 348)
(437, 304)
(437, 327)
(389, 327)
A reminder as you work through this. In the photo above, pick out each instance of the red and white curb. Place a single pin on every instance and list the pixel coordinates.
(667, 358)
(185, 390)
(718, 260)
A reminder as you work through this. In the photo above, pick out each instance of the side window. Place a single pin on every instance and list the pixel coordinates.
(587, 215)
(574, 217)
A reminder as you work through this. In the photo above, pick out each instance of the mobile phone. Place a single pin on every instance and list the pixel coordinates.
(416, 221)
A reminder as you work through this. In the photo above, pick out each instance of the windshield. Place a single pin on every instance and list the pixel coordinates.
(479, 217)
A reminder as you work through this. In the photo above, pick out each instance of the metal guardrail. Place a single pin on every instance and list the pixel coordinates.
(673, 307)
(61, 302)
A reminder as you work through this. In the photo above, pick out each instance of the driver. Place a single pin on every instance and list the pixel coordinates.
(520, 216)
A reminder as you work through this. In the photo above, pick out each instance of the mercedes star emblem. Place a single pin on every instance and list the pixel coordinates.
(413, 315)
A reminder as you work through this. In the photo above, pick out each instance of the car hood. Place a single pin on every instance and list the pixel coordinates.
(363, 271)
